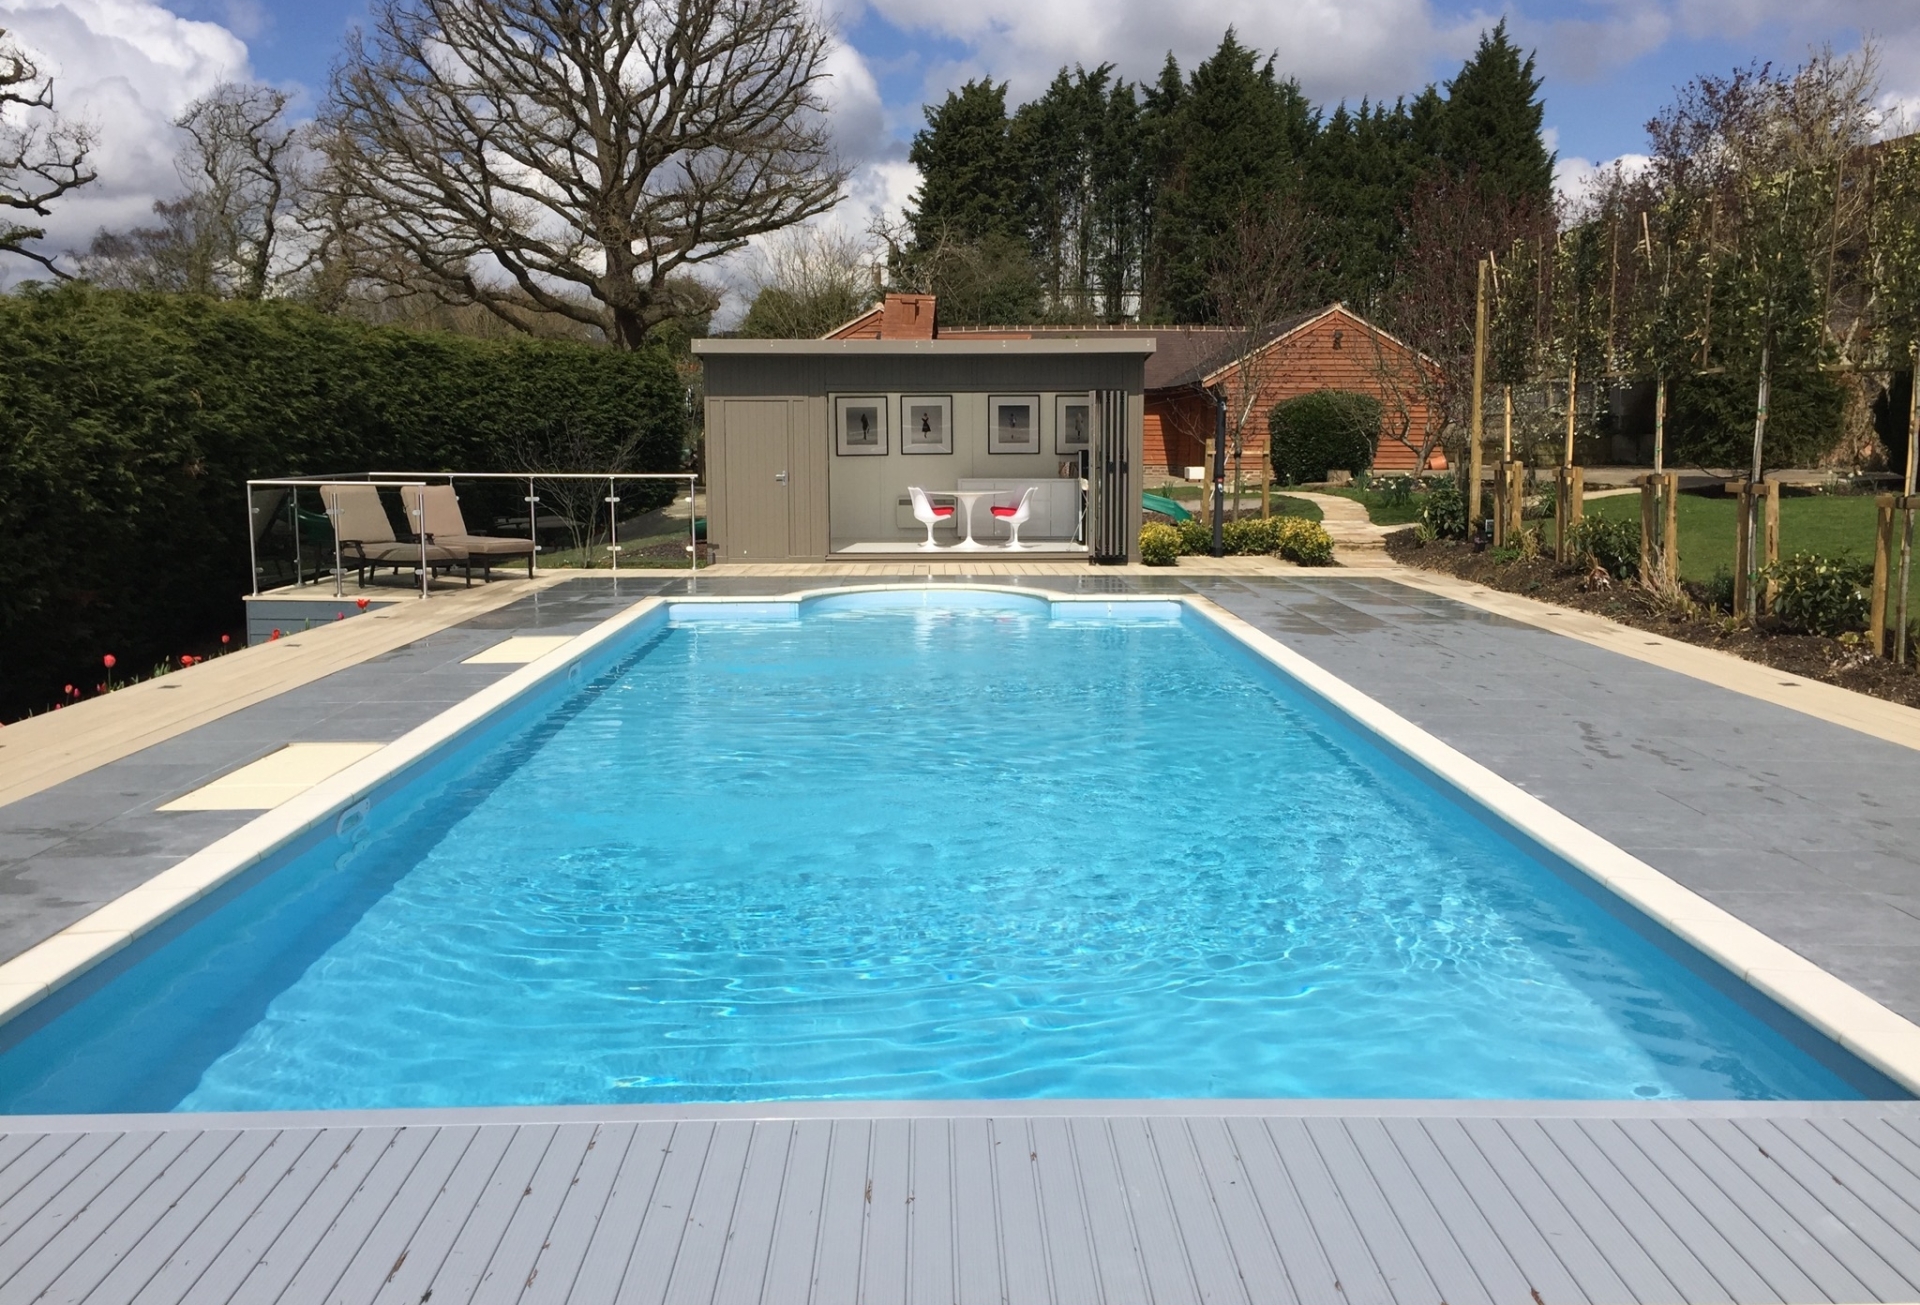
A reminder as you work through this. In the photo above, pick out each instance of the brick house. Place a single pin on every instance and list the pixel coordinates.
(1332, 348)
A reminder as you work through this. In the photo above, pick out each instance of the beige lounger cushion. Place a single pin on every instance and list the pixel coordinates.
(358, 514)
(445, 523)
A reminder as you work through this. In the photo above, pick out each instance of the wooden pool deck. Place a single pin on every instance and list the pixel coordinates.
(1783, 820)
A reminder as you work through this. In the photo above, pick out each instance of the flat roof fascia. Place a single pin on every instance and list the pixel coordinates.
(1131, 345)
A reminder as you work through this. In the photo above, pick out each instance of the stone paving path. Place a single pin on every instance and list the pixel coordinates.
(1356, 540)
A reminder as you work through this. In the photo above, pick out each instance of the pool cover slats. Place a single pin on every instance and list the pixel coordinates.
(1493, 1203)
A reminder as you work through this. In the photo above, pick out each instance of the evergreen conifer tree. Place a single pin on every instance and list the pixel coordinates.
(1492, 122)
(972, 180)
(1241, 136)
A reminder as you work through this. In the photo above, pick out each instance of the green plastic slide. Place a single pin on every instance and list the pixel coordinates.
(1165, 506)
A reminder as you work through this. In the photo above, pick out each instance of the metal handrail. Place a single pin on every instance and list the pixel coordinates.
(333, 519)
(421, 479)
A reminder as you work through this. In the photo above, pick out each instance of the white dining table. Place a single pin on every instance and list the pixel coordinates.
(968, 497)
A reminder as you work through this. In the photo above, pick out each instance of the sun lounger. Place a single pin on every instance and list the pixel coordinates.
(367, 541)
(436, 510)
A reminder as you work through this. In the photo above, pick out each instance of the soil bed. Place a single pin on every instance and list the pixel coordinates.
(1817, 657)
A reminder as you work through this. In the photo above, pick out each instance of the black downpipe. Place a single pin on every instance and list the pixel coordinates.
(1219, 396)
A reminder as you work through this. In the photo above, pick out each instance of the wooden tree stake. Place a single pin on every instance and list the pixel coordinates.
(1569, 505)
(1771, 544)
(1516, 498)
(1649, 506)
(1742, 545)
(1500, 504)
(1670, 545)
(1477, 438)
(1882, 571)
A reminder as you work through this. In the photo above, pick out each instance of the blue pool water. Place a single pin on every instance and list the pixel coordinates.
(930, 853)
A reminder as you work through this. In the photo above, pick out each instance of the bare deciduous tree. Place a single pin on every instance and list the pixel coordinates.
(1262, 276)
(580, 156)
(1451, 226)
(42, 156)
(224, 235)
(810, 282)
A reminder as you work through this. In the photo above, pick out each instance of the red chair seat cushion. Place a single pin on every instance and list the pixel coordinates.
(943, 511)
(1004, 511)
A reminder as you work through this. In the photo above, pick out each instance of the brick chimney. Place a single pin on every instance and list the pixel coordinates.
(907, 317)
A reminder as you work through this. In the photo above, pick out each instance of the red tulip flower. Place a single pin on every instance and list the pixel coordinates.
(109, 660)
(71, 690)
(273, 636)
(360, 603)
(226, 638)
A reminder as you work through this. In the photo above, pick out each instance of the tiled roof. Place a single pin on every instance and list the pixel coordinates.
(1183, 356)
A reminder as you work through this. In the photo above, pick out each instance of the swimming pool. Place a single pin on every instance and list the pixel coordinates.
(925, 845)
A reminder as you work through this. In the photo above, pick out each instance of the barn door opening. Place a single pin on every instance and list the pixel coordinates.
(1111, 478)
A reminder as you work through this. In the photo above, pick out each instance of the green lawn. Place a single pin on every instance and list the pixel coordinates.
(1283, 505)
(1379, 511)
(595, 558)
(1829, 525)
(1825, 524)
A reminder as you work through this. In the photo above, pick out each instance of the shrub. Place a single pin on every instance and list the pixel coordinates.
(1822, 595)
(1719, 589)
(1304, 542)
(1160, 545)
(1196, 536)
(1394, 491)
(1609, 543)
(1250, 535)
(1295, 538)
(129, 423)
(1328, 430)
(1445, 511)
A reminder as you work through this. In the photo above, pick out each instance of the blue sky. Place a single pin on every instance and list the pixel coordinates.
(128, 66)
(1601, 87)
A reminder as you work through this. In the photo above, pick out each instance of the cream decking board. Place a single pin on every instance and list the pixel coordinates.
(519, 650)
(42, 751)
(276, 778)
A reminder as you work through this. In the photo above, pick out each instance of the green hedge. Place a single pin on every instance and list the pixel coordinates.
(1327, 430)
(129, 422)
(1710, 420)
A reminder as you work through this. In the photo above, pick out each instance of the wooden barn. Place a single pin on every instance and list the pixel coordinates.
(1329, 348)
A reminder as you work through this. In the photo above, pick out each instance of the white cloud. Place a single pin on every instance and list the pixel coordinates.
(126, 68)
(879, 178)
(1574, 178)
(1338, 48)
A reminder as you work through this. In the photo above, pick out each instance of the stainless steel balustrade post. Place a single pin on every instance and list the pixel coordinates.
(339, 574)
(293, 524)
(693, 521)
(419, 515)
(613, 520)
(253, 553)
(533, 528)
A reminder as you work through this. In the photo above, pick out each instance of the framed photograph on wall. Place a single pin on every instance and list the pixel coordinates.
(860, 425)
(1072, 423)
(926, 423)
(1013, 423)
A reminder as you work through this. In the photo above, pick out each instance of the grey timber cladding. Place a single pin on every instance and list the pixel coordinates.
(1487, 1204)
(754, 376)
